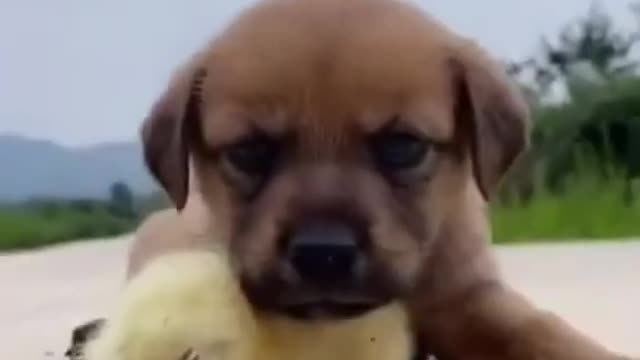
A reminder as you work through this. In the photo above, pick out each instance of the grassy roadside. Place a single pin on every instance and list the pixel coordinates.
(42, 222)
(27, 228)
(588, 210)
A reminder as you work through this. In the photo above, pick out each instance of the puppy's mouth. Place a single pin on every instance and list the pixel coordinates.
(274, 292)
(330, 309)
(306, 304)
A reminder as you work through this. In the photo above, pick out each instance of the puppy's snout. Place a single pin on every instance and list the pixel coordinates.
(324, 253)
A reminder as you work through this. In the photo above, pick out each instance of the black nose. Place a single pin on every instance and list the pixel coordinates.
(324, 253)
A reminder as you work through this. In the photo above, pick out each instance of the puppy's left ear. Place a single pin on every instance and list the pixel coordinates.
(493, 112)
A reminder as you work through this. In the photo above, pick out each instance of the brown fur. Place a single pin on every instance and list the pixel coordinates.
(323, 75)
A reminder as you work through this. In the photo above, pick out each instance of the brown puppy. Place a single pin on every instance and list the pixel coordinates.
(344, 152)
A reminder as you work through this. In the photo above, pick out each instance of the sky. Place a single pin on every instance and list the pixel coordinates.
(81, 72)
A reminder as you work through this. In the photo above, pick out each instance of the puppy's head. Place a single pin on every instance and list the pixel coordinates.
(331, 141)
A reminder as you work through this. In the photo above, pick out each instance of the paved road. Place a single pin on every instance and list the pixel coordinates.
(45, 293)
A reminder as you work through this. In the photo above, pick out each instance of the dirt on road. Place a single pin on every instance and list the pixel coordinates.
(46, 293)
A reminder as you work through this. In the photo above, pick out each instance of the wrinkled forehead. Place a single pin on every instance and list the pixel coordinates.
(306, 74)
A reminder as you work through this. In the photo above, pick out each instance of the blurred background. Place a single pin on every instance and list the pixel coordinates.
(77, 77)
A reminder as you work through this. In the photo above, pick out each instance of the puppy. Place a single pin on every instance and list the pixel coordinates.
(344, 151)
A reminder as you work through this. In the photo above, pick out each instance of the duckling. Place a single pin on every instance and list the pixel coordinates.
(189, 305)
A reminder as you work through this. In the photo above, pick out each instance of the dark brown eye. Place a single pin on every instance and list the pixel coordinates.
(255, 156)
(397, 151)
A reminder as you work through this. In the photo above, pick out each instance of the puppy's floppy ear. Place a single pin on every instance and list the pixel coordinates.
(494, 113)
(167, 131)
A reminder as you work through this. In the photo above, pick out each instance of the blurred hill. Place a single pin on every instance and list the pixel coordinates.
(34, 168)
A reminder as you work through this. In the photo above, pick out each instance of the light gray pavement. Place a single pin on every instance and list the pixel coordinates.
(46, 293)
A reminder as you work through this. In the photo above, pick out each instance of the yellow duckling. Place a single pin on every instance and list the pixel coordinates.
(189, 305)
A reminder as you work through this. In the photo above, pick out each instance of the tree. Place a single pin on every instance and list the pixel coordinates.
(587, 52)
(601, 122)
(121, 200)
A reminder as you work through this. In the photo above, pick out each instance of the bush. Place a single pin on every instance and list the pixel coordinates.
(605, 124)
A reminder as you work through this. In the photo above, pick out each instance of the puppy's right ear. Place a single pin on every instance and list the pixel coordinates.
(495, 113)
(167, 131)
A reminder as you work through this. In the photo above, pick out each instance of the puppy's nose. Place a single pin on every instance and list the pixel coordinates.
(324, 253)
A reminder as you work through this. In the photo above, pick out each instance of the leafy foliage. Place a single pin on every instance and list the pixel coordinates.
(578, 179)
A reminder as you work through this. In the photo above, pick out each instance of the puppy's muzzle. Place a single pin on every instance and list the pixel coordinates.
(324, 253)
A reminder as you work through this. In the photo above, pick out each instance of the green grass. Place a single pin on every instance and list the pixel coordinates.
(587, 210)
(25, 228)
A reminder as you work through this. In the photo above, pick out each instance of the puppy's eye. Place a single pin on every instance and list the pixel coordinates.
(255, 156)
(396, 151)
